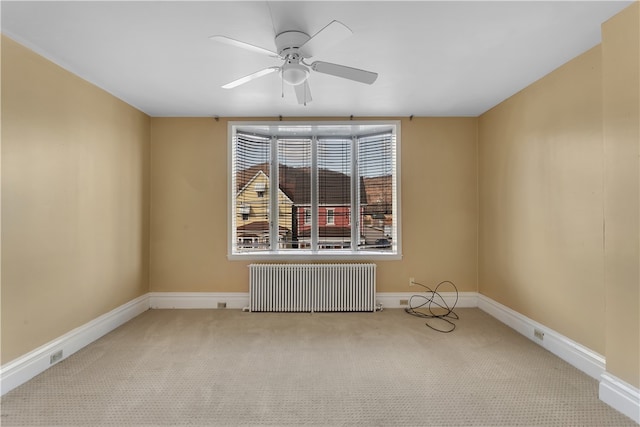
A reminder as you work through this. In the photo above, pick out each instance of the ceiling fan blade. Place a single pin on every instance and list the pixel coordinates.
(243, 45)
(303, 93)
(250, 77)
(345, 72)
(330, 35)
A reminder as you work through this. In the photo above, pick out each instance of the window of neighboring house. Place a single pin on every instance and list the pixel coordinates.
(245, 211)
(260, 188)
(351, 166)
(330, 217)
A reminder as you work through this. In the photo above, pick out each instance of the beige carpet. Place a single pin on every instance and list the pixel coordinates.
(227, 367)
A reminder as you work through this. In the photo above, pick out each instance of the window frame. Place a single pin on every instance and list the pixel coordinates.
(353, 253)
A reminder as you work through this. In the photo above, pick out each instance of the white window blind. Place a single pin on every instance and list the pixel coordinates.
(251, 214)
(314, 190)
(334, 193)
(376, 165)
(294, 180)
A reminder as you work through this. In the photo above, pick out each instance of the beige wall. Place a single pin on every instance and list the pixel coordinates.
(621, 119)
(74, 201)
(189, 207)
(558, 199)
(540, 189)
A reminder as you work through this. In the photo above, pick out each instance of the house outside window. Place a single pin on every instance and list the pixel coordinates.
(337, 190)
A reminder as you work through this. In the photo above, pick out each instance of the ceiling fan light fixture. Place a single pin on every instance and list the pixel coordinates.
(294, 73)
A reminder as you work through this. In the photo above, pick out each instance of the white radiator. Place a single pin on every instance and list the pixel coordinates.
(312, 287)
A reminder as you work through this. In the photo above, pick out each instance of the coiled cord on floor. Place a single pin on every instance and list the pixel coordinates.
(433, 300)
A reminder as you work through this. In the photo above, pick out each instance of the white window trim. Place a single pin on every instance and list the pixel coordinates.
(313, 253)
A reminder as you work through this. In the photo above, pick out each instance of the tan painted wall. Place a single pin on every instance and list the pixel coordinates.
(189, 206)
(559, 192)
(540, 202)
(74, 201)
(621, 113)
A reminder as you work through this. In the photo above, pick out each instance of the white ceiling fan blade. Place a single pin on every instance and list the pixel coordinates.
(330, 35)
(243, 45)
(303, 93)
(250, 77)
(345, 72)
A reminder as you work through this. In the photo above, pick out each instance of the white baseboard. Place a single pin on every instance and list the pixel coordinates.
(392, 299)
(22, 369)
(620, 396)
(197, 300)
(581, 357)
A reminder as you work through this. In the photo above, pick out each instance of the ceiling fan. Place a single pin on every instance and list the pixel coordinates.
(294, 47)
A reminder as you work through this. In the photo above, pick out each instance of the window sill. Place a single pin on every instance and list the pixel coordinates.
(315, 256)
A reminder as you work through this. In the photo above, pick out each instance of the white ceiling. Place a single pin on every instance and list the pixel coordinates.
(448, 58)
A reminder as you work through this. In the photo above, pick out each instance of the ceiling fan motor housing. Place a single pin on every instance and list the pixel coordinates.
(288, 42)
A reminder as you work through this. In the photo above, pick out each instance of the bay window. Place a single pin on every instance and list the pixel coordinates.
(325, 190)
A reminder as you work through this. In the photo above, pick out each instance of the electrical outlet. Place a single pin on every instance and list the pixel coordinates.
(222, 305)
(404, 302)
(55, 357)
(412, 281)
(538, 334)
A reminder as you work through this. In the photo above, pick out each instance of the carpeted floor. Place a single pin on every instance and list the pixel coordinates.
(228, 368)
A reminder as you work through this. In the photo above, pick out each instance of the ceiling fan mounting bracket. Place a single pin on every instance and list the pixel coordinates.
(288, 42)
